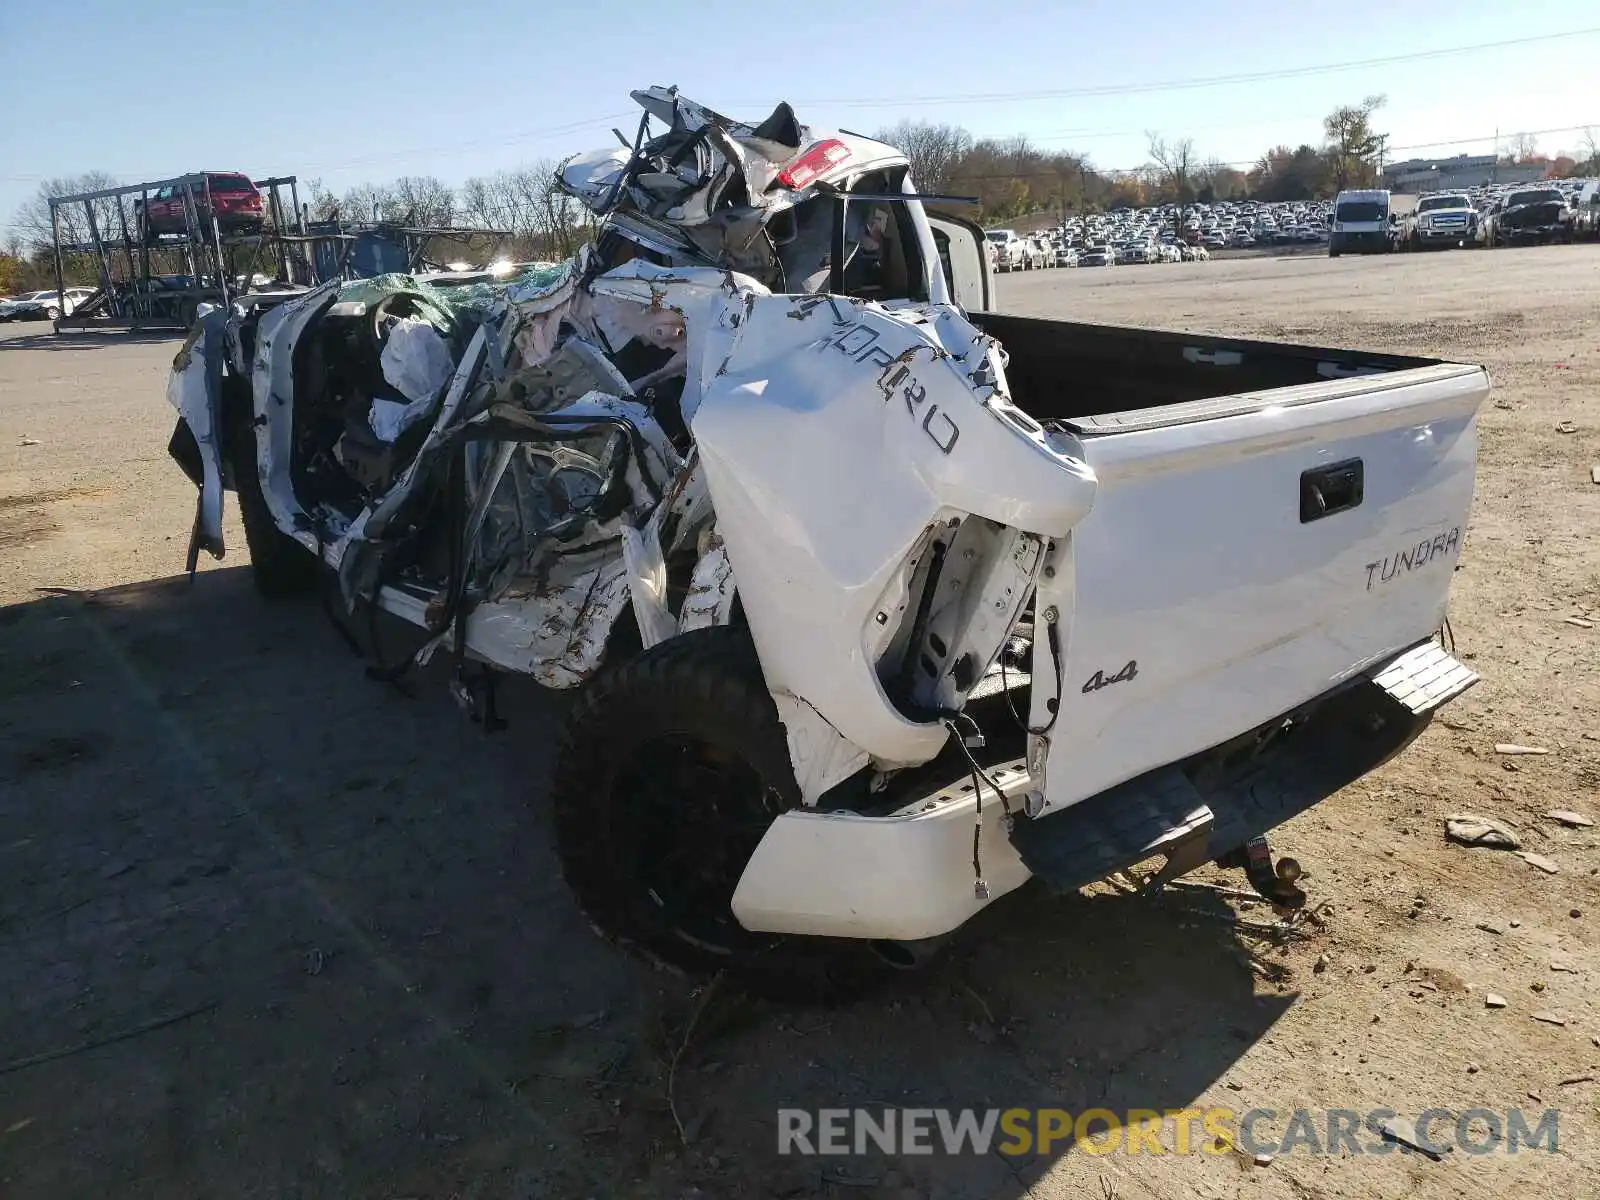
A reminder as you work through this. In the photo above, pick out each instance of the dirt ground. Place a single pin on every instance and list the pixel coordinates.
(270, 929)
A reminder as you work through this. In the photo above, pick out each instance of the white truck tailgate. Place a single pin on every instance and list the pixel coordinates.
(1246, 555)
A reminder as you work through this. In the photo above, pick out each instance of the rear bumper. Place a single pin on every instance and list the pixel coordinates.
(910, 875)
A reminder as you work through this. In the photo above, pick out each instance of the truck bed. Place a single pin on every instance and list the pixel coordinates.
(1113, 379)
(1268, 522)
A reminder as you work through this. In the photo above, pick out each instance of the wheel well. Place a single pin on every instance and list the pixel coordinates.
(238, 413)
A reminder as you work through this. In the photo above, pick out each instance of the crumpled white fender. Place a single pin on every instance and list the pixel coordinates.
(195, 389)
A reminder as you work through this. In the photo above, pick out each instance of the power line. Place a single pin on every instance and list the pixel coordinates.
(525, 135)
(1072, 135)
(1055, 172)
(505, 140)
(1207, 81)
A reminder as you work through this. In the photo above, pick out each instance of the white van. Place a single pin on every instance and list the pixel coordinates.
(1361, 221)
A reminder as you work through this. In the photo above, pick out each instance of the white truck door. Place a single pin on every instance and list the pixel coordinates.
(964, 261)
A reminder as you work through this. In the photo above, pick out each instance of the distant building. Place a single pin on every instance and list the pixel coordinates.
(1454, 174)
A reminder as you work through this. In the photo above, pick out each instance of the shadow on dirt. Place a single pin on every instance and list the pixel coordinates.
(265, 920)
(86, 339)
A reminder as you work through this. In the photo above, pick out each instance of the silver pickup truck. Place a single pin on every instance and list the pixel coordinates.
(1441, 221)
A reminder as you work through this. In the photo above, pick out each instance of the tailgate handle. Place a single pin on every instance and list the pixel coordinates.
(1331, 489)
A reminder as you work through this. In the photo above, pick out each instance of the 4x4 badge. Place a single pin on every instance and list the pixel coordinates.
(1098, 680)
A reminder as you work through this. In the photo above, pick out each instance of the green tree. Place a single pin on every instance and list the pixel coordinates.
(13, 274)
(1354, 148)
(1304, 173)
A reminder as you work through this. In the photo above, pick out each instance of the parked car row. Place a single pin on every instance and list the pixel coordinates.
(1361, 221)
(1557, 210)
(1011, 251)
(43, 306)
(1553, 211)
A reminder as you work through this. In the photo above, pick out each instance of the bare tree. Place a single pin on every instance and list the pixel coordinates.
(526, 202)
(1174, 164)
(321, 204)
(1522, 147)
(419, 200)
(934, 150)
(1591, 144)
(33, 217)
(481, 204)
(364, 202)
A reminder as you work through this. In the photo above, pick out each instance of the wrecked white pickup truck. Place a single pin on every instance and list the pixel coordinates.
(878, 604)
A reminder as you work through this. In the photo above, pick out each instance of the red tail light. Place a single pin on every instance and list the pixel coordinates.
(816, 160)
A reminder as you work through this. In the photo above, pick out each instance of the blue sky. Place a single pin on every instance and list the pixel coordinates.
(347, 91)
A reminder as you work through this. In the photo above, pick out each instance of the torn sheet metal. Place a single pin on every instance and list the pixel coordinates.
(543, 301)
(705, 188)
(553, 498)
(822, 757)
(195, 389)
(362, 548)
(647, 583)
(712, 590)
(709, 302)
(555, 630)
(272, 382)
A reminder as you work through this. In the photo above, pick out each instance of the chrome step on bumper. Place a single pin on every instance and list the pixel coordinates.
(1424, 678)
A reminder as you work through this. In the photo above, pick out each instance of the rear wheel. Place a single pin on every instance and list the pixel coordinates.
(672, 768)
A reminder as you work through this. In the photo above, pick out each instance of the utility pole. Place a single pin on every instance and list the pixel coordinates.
(1495, 176)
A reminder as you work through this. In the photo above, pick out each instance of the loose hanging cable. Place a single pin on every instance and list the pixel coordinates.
(980, 886)
(1053, 640)
(978, 772)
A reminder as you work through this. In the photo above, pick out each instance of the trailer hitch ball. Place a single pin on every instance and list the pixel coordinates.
(1275, 882)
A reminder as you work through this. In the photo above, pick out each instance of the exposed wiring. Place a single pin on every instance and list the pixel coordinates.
(980, 778)
(980, 885)
(1053, 640)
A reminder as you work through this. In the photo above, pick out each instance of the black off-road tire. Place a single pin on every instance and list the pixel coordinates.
(280, 566)
(697, 696)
